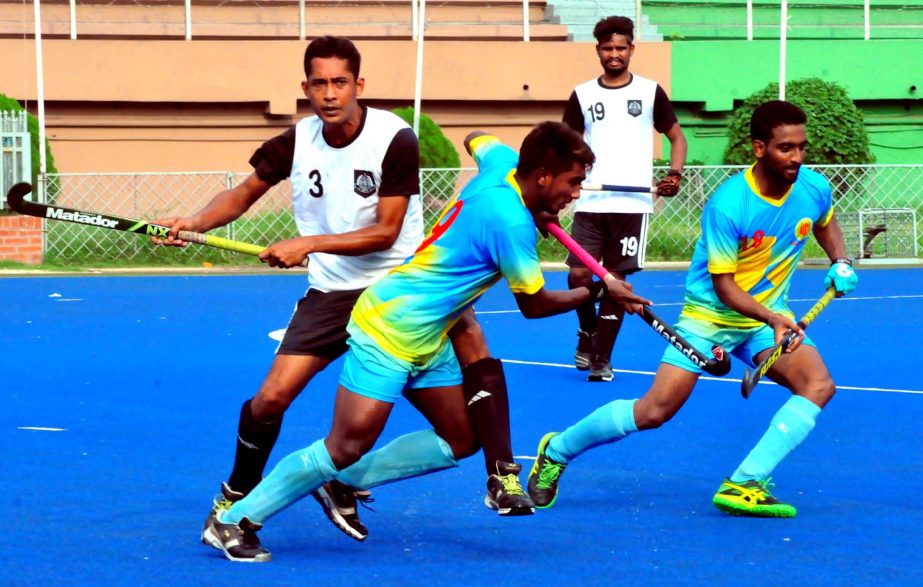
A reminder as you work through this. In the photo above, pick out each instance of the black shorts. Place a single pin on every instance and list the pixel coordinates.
(318, 325)
(617, 240)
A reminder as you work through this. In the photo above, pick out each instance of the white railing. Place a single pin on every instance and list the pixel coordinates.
(877, 205)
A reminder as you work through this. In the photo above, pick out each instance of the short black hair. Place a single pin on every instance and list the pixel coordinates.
(553, 146)
(332, 47)
(614, 25)
(769, 115)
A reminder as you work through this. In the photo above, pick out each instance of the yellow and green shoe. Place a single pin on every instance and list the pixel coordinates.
(751, 498)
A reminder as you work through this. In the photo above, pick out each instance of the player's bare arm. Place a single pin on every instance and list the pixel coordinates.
(830, 238)
(224, 208)
(622, 293)
(678, 147)
(743, 303)
(369, 239)
(546, 302)
(669, 184)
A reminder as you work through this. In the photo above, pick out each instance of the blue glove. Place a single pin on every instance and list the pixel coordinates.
(841, 276)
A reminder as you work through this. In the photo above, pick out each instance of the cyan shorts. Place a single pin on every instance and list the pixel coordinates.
(370, 371)
(743, 343)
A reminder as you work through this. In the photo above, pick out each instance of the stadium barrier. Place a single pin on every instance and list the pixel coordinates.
(877, 205)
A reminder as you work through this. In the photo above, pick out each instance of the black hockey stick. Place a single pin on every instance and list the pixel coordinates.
(719, 365)
(751, 378)
(15, 197)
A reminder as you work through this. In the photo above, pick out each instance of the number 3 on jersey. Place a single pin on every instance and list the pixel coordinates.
(443, 224)
(316, 190)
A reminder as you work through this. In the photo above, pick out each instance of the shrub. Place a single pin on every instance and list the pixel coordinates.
(835, 129)
(436, 150)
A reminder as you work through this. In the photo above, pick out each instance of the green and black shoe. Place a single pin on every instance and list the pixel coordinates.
(751, 498)
(543, 479)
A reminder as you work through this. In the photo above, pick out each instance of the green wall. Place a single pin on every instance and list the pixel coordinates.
(710, 77)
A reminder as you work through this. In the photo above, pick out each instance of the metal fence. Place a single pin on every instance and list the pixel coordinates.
(877, 205)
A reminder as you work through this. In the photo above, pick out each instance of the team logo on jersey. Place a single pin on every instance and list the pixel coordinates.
(803, 229)
(363, 183)
(634, 108)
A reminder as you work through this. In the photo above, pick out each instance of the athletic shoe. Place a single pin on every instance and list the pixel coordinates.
(584, 350)
(600, 370)
(238, 541)
(505, 494)
(544, 477)
(339, 503)
(222, 501)
(751, 498)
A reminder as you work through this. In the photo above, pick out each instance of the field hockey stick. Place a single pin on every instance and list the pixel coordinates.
(751, 378)
(15, 197)
(607, 187)
(719, 365)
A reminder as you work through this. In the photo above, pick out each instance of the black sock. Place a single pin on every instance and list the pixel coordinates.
(489, 410)
(611, 316)
(586, 313)
(254, 443)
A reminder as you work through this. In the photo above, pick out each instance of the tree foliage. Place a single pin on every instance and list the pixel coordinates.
(8, 104)
(835, 129)
(436, 150)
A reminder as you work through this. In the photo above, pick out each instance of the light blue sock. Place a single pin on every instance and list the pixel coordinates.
(610, 423)
(411, 455)
(292, 478)
(789, 427)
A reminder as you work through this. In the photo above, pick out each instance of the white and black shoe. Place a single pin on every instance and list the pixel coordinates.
(238, 541)
(339, 503)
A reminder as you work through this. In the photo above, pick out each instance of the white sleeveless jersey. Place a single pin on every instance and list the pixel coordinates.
(619, 127)
(336, 190)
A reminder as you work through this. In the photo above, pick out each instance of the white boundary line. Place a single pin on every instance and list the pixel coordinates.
(706, 377)
(41, 429)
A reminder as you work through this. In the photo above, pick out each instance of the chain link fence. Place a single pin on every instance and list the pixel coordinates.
(877, 206)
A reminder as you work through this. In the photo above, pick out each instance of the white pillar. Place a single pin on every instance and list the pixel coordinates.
(783, 37)
(188, 4)
(73, 12)
(40, 87)
(418, 82)
(525, 20)
(749, 20)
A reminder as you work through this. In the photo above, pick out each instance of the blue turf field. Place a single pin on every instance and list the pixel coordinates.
(141, 380)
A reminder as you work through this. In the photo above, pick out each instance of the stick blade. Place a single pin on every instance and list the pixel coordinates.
(15, 196)
(748, 382)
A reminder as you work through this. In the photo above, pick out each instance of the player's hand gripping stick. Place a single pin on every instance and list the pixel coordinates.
(719, 365)
(751, 378)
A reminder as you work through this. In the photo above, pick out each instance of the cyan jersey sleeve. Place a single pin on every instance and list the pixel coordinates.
(488, 152)
(720, 235)
(513, 250)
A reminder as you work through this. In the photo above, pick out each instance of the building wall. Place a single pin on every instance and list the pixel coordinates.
(206, 105)
(885, 78)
